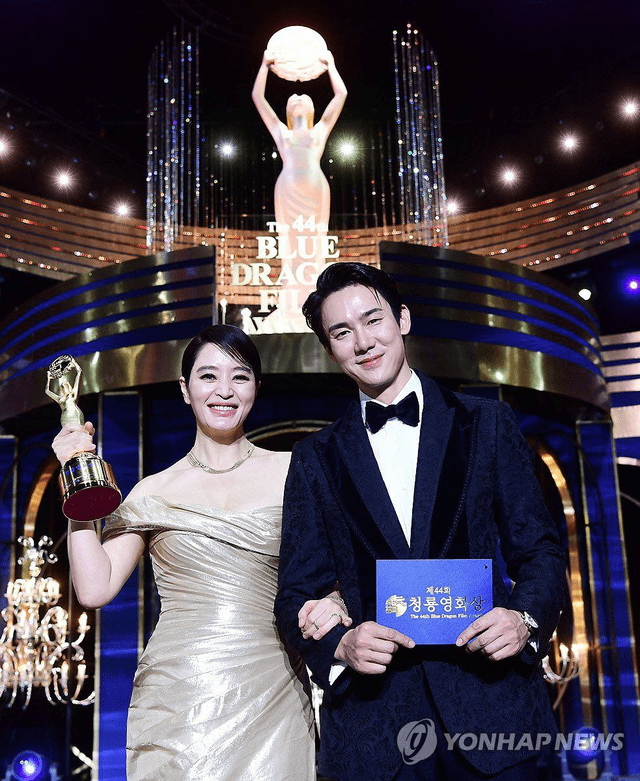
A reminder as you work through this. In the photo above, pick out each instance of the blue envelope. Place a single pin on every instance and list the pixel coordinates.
(432, 600)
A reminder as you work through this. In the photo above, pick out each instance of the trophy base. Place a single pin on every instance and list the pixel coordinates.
(88, 487)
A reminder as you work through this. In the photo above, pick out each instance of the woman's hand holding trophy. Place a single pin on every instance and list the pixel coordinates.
(88, 487)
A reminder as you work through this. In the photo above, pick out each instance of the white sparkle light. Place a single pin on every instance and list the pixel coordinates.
(347, 149)
(569, 143)
(509, 175)
(64, 179)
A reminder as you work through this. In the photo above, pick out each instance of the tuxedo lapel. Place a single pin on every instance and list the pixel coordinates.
(435, 430)
(360, 489)
(450, 537)
(439, 518)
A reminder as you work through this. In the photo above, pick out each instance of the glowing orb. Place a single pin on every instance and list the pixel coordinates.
(297, 52)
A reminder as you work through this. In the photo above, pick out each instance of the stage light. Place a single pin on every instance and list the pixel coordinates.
(632, 285)
(227, 150)
(630, 108)
(4, 147)
(585, 293)
(123, 209)
(509, 176)
(28, 766)
(347, 149)
(569, 143)
(453, 206)
(64, 179)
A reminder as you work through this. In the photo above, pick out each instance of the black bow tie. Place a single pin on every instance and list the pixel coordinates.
(406, 410)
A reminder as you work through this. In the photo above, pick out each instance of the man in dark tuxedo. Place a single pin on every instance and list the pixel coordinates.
(414, 470)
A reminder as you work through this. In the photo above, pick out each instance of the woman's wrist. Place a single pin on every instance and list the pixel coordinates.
(77, 525)
(339, 601)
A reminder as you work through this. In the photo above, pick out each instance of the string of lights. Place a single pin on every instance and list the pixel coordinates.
(419, 137)
(58, 240)
(235, 193)
(380, 176)
(173, 139)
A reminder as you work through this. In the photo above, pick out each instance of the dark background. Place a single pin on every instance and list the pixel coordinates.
(514, 77)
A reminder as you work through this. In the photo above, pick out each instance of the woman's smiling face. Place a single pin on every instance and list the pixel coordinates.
(221, 390)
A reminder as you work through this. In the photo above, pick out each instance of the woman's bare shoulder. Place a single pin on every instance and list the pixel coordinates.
(272, 462)
(156, 484)
(274, 457)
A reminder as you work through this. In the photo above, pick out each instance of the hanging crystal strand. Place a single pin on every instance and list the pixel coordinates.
(168, 150)
(412, 189)
(433, 132)
(181, 116)
(373, 180)
(382, 181)
(187, 176)
(406, 142)
(392, 146)
(173, 140)
(399, 124)
(423, 164)
(166, 156)
(152, 151)
(198, 140)
(439, 185)
(422, 197)
(430, 216)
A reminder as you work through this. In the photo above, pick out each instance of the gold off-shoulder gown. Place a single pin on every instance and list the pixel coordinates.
(215, 695)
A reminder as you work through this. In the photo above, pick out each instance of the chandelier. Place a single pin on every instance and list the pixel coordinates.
(568, 664)
(34, 647)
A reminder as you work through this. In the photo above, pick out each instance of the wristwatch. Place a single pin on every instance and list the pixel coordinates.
(529, 622)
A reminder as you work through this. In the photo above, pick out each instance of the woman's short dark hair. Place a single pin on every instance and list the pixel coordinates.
(343, 274)
(231, 340)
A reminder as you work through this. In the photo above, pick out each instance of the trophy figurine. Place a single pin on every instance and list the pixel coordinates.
(88, 487)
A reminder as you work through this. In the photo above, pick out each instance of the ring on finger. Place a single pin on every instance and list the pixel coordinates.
(338, 616)
(316, 626)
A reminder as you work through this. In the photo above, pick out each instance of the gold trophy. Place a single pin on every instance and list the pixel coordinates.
(88, 487)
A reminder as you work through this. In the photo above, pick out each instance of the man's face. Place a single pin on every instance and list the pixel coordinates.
(365, 340)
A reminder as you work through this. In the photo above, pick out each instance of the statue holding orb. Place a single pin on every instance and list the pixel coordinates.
(301, 197)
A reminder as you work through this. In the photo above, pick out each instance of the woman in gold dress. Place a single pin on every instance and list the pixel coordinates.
(215, 695)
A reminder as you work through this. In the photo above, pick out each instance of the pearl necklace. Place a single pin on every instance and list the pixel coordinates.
(196, 462)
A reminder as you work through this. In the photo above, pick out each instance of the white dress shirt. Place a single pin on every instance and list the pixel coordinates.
(395, 447)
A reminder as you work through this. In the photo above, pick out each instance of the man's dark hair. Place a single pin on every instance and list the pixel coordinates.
(344, 274)
(231, 340)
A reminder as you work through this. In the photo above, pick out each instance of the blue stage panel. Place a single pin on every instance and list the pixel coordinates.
(119, 626)
(8, 452)
(609, 583)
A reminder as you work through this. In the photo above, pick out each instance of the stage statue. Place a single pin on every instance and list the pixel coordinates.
(301, 198)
